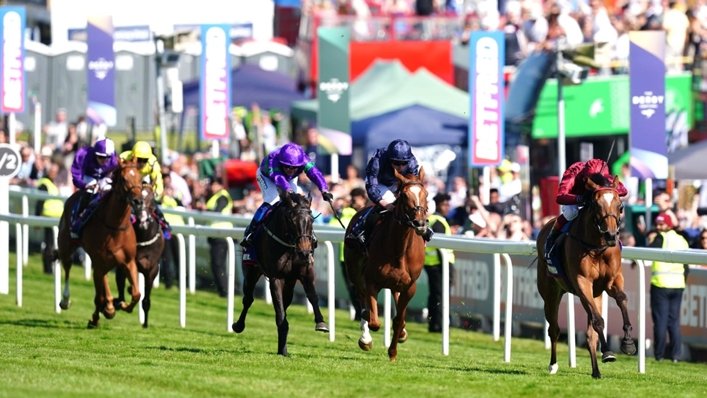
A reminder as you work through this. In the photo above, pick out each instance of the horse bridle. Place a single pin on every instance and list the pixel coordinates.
(408, 222)
(289, 220)
(598, 221)
(122, 198)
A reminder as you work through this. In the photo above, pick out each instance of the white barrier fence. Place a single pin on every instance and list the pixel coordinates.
(328, 235)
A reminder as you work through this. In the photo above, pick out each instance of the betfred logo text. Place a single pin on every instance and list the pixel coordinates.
(12, 63)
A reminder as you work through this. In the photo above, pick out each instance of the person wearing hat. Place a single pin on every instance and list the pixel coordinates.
(571, 194)
(381, 185)
(90, 172)
(151, 173)
(667, 285)
(280, 171)
(219, 202)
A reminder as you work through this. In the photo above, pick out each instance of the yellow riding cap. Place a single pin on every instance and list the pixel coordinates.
(142, 149)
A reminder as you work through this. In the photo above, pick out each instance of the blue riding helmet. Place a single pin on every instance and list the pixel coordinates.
(292, 155)
(399, 151)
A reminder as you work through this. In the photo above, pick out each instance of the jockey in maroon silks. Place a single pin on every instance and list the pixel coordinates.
(571, 193)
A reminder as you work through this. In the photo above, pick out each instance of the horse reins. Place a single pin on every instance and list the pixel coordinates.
(122, 198)
(597, 223)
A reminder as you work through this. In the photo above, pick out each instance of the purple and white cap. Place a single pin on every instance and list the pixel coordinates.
(104, 147)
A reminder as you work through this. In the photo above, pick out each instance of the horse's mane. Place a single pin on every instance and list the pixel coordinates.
(599, 180)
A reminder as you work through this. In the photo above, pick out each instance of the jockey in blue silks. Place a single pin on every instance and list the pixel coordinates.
(90, 172)
(280, 169)
(382, 185)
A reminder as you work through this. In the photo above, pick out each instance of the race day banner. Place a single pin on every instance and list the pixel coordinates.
(101, 71)
(333, 88)
(649, 152)
(215, 82)
(486, 89)
(12, 37)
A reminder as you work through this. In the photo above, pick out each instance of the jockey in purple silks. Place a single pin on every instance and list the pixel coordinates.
(280, 169)
(91, 173)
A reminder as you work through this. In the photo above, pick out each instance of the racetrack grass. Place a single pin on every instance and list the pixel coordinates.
(49, 354)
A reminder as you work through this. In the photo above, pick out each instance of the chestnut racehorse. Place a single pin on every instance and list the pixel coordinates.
(150, 245)
(107, 237)
(394, 259)
(285, 252)
(591, 259)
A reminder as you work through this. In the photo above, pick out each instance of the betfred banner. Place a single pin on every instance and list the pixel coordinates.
(101, 71)
(215, 81)
(486, 87)
(649, 151)
(12, 61)
(333, 88)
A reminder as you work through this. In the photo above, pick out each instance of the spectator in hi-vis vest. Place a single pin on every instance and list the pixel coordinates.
(49, 208)
(667, 285)
(219, 202)
(433, 262)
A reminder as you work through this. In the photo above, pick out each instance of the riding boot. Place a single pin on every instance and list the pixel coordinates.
(552, 237)
(167, 231)
(254, 224)
(368, 224)
(81, 213)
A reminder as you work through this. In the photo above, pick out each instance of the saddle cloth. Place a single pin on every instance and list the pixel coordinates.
(250, 255)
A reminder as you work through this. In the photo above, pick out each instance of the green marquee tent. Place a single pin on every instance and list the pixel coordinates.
(387, 86)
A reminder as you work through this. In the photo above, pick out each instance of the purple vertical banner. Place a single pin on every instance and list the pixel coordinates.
(648, 148)
(487, 52)
(101, 71)
(12, 61)
(215, 81)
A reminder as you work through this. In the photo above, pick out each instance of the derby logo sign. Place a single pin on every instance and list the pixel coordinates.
(647, 135)
(101, 62)
(333, 89)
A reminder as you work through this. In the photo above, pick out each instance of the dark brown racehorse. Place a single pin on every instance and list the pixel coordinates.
(150, 245)
(591, 259)
(108, 238)
(394, 259)
(285, 253)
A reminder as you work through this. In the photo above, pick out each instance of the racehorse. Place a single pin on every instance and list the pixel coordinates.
(107, 237)
(591, 260)
(394, 259)
(285, 253)
(150, 244)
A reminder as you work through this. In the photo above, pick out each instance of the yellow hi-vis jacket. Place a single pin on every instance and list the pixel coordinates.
(51, 207)
(670, 275)
(432, 258)
(211, 206)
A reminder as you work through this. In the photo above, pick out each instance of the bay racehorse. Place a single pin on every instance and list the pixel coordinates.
(284, 249)
(393, 260)
(591, 259)
(107, 237)
(150, 245)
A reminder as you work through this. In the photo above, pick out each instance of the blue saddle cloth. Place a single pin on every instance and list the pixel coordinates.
(79, 219)
(250, 255)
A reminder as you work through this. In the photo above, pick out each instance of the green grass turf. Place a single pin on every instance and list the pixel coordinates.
(49, 354)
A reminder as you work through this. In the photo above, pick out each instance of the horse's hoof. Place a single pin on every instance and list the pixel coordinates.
(127, 308)
(321, 327)
(403, 337)
(392, 359)
(238, 327)
(92, 325)
(65, 304)
(365, 346)
(374, 328)
(109, 314)
(553, 368)
(144, 326)
(607, 357)
(628, 347)
(119, 304)
(596, 375)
